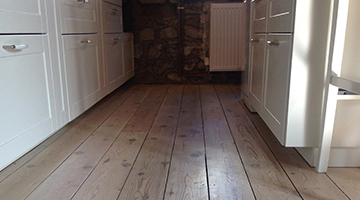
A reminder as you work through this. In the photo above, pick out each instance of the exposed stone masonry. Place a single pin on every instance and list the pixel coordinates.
(156, 41)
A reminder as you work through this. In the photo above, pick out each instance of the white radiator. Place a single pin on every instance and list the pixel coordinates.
(227, 37)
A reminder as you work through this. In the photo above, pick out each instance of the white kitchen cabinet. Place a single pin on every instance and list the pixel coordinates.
(112, 18)
(83, 71)
(17, 16)
(259, 16)
(276, 82)
(118, 46)
(257, 59)
(289, 94)
(114, 60)
(345, 144)
(281, 16)
(57, 70)
(128, 55)
(27, 100)
(79, 16)
(119, 58)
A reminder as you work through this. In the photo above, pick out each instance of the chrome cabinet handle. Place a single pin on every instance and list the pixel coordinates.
(85, 41)
(270, 43)
(256, 1)
(83, 1)
(114, 10)
(15, 47)
(116, 40)
(254, 40)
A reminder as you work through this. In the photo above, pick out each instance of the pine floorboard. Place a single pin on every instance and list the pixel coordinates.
(173, 142)
(187, 175)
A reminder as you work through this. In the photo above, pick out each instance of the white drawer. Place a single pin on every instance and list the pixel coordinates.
(112, 18)
(259, 16)
(26, 44)
(26, 117)
(19, 16)
(116, 2)
(79, 17)
(281, 16)
(83, 72)
(113, 47)
(128, 55)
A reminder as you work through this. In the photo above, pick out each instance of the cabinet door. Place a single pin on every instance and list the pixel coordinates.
(83, 72)
(26, 101)
(112, 18)
(128, 55)
(113, 47)
(259, 15)
(281, 16)
(18, 16)
(257, 66)
(78, 16)
(277, 73)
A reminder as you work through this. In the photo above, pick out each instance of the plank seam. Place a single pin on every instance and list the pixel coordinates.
(268, 146)
(206, 163)
(337, 186)
(142, 144)
(75, 148)
(110, 144)
(173, 146)
(232, 135)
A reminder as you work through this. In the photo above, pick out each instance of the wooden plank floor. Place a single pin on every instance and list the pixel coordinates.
(176, 142)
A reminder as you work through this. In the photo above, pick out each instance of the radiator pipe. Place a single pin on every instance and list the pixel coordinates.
(180, 36)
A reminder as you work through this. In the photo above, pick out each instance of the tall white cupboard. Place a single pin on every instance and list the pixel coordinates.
(288, 58)
(289, 54)
(52, 67)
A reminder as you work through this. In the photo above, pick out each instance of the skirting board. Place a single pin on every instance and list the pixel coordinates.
(339, 157)
(31, 154)
(247, 103)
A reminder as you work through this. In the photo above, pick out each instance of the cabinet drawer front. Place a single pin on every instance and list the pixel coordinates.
(26, 102)
(83, 72)
(113, 20)
(27, 18)
(116, 2)
(26, 117)
(128, 53)
(25, 44)
(276, 87)
(281, 16)
(257, 58)
(80, 41)
(79, 17)
(113, 47)
(259, 15)
(24, 94)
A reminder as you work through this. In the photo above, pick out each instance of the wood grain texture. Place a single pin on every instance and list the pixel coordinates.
(148, 177)
(267, 178)
(236, 89)
(227, 177)
(187, 177)
(150, 160)
(348, 179)
(65, 181)
(29, 176)
(108, 178)
(311, 185)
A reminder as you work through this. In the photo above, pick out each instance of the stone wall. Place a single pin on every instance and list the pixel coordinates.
(156, 41)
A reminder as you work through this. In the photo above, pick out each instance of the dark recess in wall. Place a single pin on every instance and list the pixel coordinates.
(128, 17)
(160, 55)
